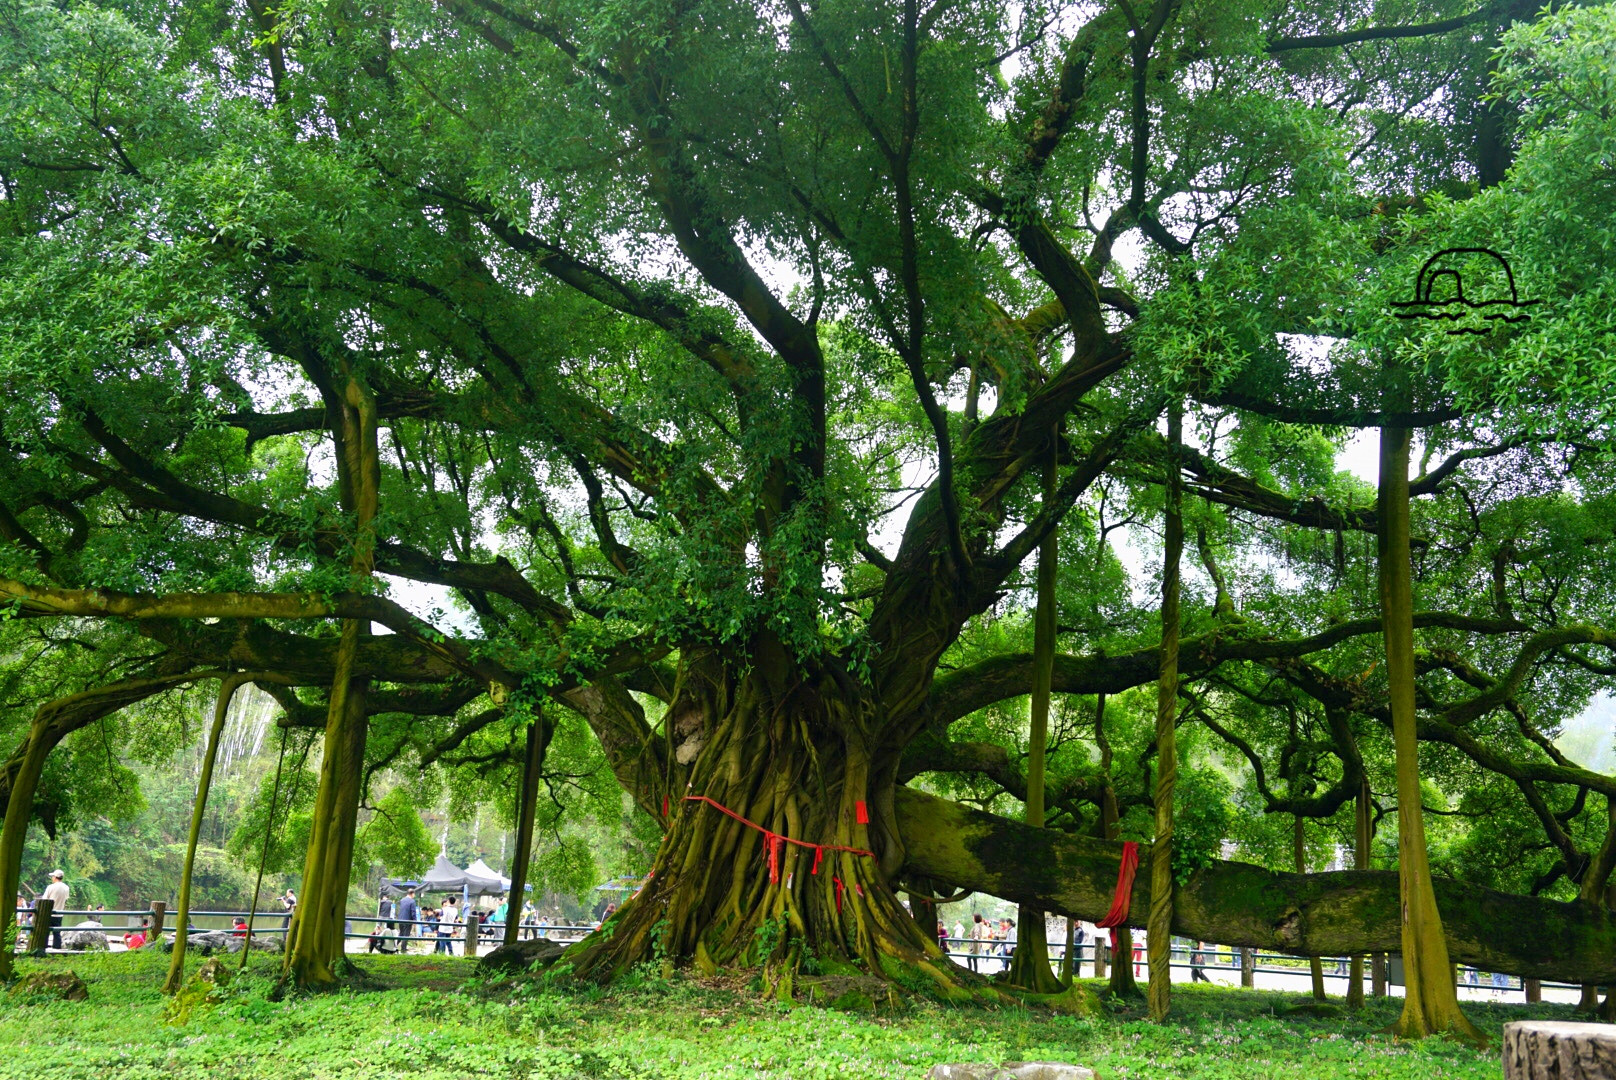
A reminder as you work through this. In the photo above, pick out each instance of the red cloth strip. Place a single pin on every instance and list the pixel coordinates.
(1122, 899)
(861, 812)
(774, 843)
(839, 888)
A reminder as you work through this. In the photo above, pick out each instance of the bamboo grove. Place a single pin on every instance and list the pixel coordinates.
(775, 395)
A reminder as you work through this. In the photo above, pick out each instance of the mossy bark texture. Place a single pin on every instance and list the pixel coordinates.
(1315, 968)
(1159, 942)
(1029, 967)
(1363, 837)
(789, 751)
(314, 952)
(1335, 913)
(18, 810)
(538, 741)
(182, 921)
(1431, 1003)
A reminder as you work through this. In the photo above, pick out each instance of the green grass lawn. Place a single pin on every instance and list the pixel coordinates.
(422, 1018)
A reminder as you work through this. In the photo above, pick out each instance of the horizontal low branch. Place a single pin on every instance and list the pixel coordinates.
(1329, 914)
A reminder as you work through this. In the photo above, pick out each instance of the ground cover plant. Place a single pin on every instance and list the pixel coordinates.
(428, 1019)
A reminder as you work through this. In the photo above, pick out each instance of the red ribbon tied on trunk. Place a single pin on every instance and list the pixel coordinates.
(1122, 899)
(774, 843)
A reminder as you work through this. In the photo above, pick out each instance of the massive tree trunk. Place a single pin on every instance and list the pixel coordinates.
(314, 951)
(774, 847)
(1322, 914)
(1431, 1002)
(182, 918)
(1160, 937)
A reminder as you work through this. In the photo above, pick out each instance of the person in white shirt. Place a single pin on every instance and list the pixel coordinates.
(446, 926)
(56, 893)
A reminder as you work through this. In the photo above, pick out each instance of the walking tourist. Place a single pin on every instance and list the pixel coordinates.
(408, 912)
(981, 938)
(1198, 964)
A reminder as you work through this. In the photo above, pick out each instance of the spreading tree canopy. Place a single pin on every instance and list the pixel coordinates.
(690, 374)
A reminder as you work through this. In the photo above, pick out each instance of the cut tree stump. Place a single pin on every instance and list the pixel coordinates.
(1559, 1050)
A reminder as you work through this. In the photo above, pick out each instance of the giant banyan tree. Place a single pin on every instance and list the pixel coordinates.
(711, 374)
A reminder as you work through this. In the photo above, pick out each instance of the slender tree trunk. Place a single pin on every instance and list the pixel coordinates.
(1363, 838)
(1101, 939)
(263, 854)
(538, 740)
(19, 808)
(1069, 958)
(1432, 1003)
(1315, 967)
(1160, 922)
(1592, 891)
(1248, 966)
(1122, 982)
(315, 953)
(1377, 975)
(921, 907)
(1029, 967)
(221, 710)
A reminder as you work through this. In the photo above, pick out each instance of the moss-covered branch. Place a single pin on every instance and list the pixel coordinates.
(1326, 914)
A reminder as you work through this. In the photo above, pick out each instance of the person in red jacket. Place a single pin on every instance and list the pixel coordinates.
(136, 939)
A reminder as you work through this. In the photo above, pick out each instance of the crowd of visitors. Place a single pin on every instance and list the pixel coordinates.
(443, 926)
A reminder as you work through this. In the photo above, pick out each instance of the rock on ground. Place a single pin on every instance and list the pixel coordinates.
(209, 942)
(522, 955)
(65, 985)
(1559, 1050)
(1012, 1070)
(85, 940)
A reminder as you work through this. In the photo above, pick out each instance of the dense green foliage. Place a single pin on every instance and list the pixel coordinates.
(711, 347)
